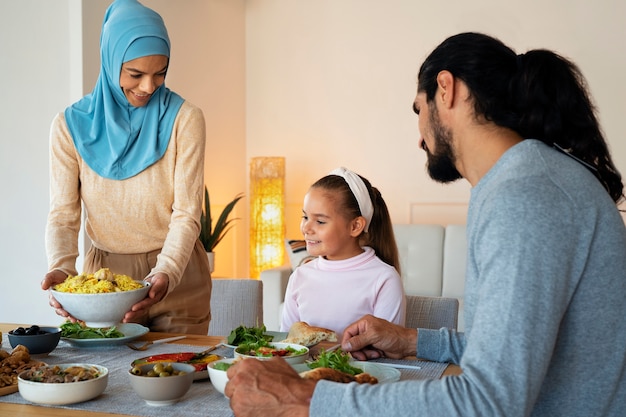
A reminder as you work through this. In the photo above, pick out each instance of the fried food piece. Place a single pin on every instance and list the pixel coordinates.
(334, 375)
(328, 374)
(19, 356)
(365, 378)
(13, 363)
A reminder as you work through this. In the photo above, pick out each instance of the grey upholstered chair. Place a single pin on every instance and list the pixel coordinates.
(431, 312)
(235, 302)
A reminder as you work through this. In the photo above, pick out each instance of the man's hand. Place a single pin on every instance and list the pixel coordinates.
(268, 388)
(159, 283)
(371, 338)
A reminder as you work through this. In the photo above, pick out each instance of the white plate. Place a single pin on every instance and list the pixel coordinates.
(131, 331)
(278, 337)
(382, 373)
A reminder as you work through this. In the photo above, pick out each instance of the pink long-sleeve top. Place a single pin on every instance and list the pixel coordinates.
(334, 294)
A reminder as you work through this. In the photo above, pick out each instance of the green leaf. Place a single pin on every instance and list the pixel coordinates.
(211, 235)
(79, 331)
(337, 359)
(250, 336)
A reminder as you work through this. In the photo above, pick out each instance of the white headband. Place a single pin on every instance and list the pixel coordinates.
(359, 189)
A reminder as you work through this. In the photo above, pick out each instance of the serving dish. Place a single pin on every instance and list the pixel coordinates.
(100, 309)
(162, 390)
(9, 389)
(218, 377)
(383, 373)
(277, 337)
(64, 393)
(9, 372)
(43, 342)
(291, 358)
(198, 360)
(131, 332)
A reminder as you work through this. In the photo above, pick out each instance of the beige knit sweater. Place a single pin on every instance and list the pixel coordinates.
(158, 208)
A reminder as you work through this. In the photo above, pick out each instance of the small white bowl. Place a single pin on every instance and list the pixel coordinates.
(292, 359)
(63, 393)
(219, 378)
(101, 309)
(165, 390)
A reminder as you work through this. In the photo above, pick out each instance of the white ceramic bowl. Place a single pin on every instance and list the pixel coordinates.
(219, 378)
(292, 359)
(162, 390)
(63, 393)
(102, 309)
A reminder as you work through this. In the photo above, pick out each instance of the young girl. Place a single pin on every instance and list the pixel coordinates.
(346, 224)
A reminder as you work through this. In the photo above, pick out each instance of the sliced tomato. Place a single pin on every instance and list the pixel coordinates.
(171, 357)
(199, 362)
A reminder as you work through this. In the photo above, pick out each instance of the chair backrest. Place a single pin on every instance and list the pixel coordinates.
(420, 247)
(235, 302)
(431, 312)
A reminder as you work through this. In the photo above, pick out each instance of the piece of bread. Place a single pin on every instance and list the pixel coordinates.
(302, 334)
(334, 375)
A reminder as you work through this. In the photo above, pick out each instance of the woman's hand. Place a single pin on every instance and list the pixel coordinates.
(268, 388)
(159, 283)
(371, 338)
(51, 279)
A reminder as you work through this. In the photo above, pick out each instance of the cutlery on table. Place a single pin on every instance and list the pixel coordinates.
(210, 349)
(154, 342)
(398, 365)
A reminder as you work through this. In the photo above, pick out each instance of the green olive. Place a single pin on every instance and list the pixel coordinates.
(164, 374)
(152, 373)
(169, 368)
(158, 368)
(136, 370)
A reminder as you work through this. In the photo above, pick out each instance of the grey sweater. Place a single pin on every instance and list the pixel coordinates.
(545, 304)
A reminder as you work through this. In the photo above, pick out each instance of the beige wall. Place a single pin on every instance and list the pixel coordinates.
(323, 83)
(331, 83)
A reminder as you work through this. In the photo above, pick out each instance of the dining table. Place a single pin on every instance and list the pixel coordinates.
(202, 399)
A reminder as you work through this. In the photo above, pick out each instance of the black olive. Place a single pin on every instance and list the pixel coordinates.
(19, 331)
(30, 331)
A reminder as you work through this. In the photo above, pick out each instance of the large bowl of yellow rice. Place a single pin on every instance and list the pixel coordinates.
(100, 299)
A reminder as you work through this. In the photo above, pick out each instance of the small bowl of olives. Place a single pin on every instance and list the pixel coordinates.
(161, 383)
(38, 340)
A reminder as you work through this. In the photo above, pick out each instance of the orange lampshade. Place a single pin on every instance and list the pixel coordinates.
(267, 213)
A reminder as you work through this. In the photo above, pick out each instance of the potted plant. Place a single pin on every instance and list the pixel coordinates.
(211, 235)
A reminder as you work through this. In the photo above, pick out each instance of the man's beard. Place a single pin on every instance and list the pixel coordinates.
(440, 165)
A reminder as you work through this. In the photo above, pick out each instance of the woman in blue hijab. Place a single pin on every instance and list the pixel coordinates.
(131, 155)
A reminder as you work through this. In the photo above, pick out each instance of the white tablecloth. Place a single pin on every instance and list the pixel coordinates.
(202, 399)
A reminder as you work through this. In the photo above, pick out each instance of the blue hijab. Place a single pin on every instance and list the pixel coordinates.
(116, 139)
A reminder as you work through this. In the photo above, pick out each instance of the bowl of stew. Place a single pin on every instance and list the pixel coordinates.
(63, 383)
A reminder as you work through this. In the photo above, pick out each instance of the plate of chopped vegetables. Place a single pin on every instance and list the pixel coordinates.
(78, 334)
(263, 350)
(343, 362)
